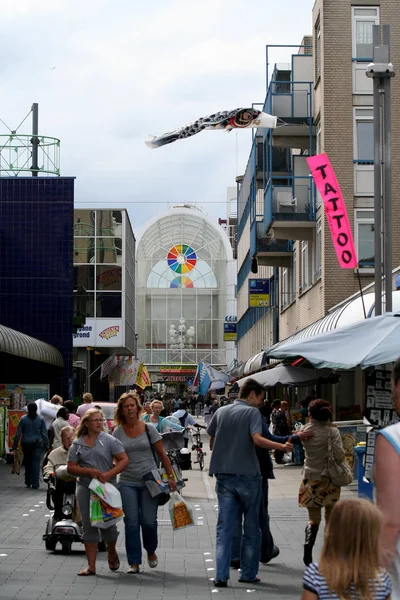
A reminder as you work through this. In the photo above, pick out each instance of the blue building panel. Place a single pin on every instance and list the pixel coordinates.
(36, 232)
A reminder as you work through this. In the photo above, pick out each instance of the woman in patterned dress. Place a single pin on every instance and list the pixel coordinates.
(317, 491)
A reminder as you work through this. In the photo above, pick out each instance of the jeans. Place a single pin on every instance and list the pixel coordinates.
(140, 514)
(267, 541)
(32, 456)
(238, 497)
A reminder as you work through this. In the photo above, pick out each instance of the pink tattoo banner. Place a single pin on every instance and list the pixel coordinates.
(335, 210)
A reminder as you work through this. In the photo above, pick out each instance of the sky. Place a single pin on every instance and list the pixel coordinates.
(109, 73)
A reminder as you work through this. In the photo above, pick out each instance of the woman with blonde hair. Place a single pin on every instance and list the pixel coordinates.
(95, 454)
(349, 567)
(162, 424)
(140, 442)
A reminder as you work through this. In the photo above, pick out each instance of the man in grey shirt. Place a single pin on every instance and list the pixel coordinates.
(234, 432)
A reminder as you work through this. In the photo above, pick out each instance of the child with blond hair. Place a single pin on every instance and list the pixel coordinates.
(349, 567)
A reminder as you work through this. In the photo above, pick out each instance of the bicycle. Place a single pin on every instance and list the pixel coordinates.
(198, 446)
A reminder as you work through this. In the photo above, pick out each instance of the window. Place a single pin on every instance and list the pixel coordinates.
(285, 288)
(318, 150)
(294, 273)
(317, 50)
(363, 21)
(305, 281)
(365, 238)
(318, 250)
(363, 135)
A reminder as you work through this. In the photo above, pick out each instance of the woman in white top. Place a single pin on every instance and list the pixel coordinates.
(387, 477)
(58, 424)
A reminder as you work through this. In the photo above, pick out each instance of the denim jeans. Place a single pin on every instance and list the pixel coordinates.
(267, 541)
(140, 514)
(238, 498)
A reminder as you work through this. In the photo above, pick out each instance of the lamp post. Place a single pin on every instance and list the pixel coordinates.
(381, 71)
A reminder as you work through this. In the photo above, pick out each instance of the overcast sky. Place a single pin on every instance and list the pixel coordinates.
(107, 73)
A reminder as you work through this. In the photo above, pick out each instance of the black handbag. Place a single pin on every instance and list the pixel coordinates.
(162, 498)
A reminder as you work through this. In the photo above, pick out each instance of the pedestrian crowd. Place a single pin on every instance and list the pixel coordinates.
(361, 540)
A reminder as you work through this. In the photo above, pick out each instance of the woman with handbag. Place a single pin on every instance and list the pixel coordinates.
(140, 442)
(34, 441)
(95, 454)
(323, 453)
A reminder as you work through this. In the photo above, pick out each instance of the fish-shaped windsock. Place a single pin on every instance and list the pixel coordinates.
(239, 118)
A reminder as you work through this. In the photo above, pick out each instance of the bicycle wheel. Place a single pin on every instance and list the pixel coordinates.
(200, 460)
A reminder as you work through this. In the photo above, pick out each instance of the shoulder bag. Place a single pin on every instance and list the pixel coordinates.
(162, 497)
(339, 473)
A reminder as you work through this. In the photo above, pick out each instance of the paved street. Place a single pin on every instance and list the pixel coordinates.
(186, 558)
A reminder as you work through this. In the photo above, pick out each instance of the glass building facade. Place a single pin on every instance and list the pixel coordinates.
(182, 290)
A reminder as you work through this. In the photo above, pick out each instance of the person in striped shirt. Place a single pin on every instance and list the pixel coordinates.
(350, 563)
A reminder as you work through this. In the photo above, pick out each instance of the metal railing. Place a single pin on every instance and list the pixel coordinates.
(16, 154)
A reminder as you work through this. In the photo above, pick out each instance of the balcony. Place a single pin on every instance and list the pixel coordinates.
(290, 202)
(289, 97)
(270, 252)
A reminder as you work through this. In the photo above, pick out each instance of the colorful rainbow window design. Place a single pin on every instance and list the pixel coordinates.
(181, 259)
(182, 282)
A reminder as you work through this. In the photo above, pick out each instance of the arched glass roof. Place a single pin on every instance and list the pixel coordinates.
(184, 226)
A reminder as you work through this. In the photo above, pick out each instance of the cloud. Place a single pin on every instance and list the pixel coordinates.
(126, 69)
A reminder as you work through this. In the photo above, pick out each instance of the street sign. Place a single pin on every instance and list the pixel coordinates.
(259, 293)
(230, 332)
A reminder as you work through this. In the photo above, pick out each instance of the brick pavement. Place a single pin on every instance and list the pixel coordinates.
(186, 558)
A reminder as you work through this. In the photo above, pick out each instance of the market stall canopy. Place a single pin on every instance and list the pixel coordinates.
(284, 375)
(368, 343)
(255, 363)
(22, 345)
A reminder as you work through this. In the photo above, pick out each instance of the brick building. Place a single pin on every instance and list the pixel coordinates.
(325, 100)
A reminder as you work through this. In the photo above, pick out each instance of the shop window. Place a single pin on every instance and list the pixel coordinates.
(108, 304)
(365, 238)
(84, 223)
(84, 277)
(83, 250)
(109, 250)
(109, 223)
(108, 277)
(83, 303)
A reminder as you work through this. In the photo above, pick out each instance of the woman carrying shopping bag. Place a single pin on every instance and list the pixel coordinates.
(95, 454)
(140, 508)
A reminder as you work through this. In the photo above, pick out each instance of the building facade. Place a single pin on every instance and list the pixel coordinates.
(325, 100)
(36, 224)
(104, 292)
(185, 282)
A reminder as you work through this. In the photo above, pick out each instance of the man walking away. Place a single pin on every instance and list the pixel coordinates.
(235, 432)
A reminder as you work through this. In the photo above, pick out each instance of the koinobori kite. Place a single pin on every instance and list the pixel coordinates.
(239, 118)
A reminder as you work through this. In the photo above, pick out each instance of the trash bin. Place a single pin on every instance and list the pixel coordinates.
(365, 488)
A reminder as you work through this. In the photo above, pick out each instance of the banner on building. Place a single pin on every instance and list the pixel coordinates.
(108, 366)
(143, 378)
(259, 293)
(125, 371)
(230, 332)
(335, 210)
(226, 120)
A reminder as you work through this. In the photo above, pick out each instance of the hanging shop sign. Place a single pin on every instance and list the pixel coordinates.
(335, 210)
(258, 293)
(178, 370)
(100, 333)
(230, 332)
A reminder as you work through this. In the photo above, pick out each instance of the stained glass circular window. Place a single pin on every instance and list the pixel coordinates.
(182, 282)
(181, 259)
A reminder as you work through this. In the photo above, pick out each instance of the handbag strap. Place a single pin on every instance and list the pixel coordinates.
(156, 459)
